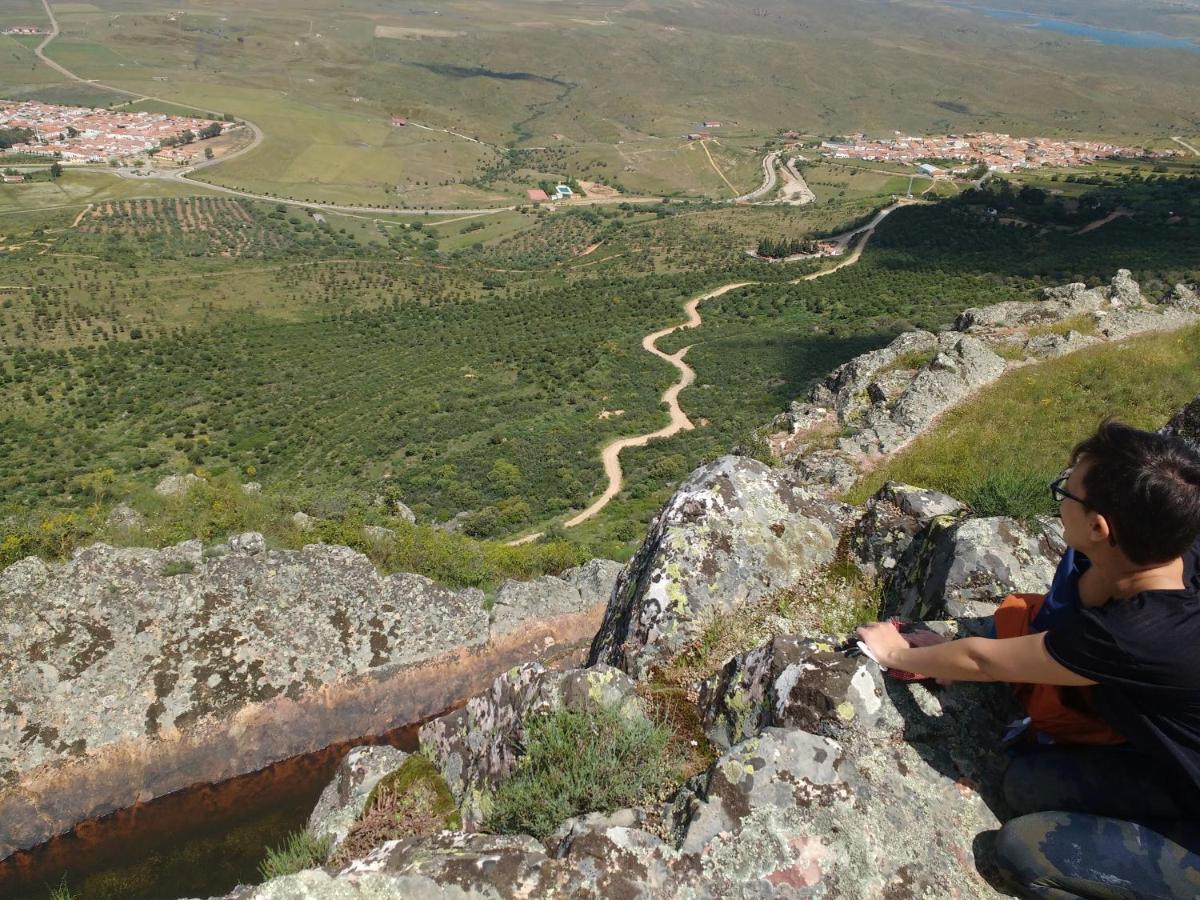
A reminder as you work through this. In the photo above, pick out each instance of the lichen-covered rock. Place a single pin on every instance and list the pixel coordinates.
(177, 485)
(1186, 424)
(251, 487)
(477, 746)
(1123, 323)
(735, 531)
(345, 797)
(575, 590)
(890, 520)
(961, 366)
(302, 521)
(1049, 346)
(845, 389)
(791, 814)
(1185, 297)
(963, 567)
(126, 674)
(124, 517)
(793, 682)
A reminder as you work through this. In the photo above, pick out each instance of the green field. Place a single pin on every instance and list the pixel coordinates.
(609, 89)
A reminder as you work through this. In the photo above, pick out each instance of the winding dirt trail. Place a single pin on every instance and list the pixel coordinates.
(611, 453)
(679, 419)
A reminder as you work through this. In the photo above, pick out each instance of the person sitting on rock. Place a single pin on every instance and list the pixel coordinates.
(1120, 820)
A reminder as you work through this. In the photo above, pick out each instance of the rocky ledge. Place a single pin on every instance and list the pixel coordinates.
(126, 674)
(829, 781)
(881, 400)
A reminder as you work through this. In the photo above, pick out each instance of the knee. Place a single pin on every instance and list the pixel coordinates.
(1019, 851)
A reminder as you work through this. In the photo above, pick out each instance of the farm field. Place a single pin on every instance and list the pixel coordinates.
(597, 81)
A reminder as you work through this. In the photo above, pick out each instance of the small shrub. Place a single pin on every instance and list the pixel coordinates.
(300, 851)
(177, 567)
(411, 801)
(579, 762)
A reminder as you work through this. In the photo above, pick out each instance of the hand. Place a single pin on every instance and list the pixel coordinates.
(883, 638)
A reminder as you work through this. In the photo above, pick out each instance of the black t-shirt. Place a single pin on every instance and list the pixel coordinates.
(1144, 654)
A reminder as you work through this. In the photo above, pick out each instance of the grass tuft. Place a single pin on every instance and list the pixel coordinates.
(1016, 493)
(580, 762)
(300, 851)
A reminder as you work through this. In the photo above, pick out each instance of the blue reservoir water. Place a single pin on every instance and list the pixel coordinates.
(1144, 40)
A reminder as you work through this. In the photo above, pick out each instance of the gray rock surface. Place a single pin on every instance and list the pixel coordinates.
(1185, 297)
(878, 540)
(129, 673)
(963, 567)
(845, 389)
(735, 531)
(794, 682)
(345, 797)
(303, 521)
(125, 517)
(177, 485)
(251, 487)
(577, 589)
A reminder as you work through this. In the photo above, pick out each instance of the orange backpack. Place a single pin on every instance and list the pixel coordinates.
(1076, 723)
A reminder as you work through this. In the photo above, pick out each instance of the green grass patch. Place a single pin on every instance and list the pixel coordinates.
(300, 851)
(1083, 323)
(998, 451)
(581, 762)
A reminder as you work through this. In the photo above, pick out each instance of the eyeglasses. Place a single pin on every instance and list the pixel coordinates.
(1060, 493)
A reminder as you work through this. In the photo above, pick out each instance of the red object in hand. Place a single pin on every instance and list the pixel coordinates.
(914, 640)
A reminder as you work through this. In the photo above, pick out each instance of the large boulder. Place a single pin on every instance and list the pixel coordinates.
(735, 531)
(963, 567)
(794, 682)
(890, 520)
(177, 485)
(846, 388)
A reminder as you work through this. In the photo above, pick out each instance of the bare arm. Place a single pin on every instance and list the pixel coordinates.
(1022, 660)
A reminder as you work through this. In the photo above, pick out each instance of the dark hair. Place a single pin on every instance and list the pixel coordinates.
(1147, 486)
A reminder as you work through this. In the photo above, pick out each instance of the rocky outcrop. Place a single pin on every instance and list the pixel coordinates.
(130, 673)
(887, 799)
(735, 531)
(957, 567)
(177, 485)
(878, 402)
(476, 747)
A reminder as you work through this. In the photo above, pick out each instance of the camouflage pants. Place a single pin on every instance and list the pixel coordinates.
(1096, 822)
